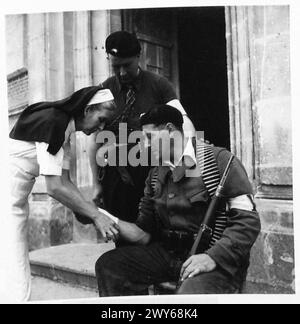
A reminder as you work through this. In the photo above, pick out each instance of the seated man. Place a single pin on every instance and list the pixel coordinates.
(171, 211)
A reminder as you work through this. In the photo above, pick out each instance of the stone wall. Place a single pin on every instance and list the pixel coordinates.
(50, 56)
(90, 67)
(269, 35)
(64, 51)
(39, 71)
(15, 28)
(260, 111)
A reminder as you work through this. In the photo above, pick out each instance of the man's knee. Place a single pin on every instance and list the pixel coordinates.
(214, 282)
(192, 286)
(105, 264)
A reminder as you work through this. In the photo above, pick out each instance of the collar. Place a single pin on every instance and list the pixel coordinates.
(186, 161)
(188, 157)
(136, 84)
(178, 173)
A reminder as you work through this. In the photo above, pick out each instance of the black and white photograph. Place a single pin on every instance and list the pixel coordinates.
(149, 153)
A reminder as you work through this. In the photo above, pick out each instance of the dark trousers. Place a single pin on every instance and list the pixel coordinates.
(131, 270)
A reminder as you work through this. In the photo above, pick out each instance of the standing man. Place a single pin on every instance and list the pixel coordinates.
(135, 91)
(40, 145)
(173, 207)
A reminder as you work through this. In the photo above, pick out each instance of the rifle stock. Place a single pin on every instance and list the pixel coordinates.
(204, 235)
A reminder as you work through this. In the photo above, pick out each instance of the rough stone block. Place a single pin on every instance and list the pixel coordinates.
(275, 139)
(282, 268)
(270, 62)
(272, 257)
(270, 66)
(272, 262)
(70, 263)
(271, 175)
(15, 46)
(50, 223)
(17, 89)
(262, 289)
(256, 20)
(276, 215)
(38, 226)
(268, 20)
(45, 290)
(256, 269)
(61, 225)
(84, 233)
(276, 71)
(277, 19)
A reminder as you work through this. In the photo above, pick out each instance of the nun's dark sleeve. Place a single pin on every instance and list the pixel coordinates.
(243, 226)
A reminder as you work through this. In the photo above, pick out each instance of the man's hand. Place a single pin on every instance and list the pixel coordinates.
(107, 227)
(197, 264)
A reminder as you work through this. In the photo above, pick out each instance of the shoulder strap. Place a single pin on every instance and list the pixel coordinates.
(208, 166)
(211, 178)
(154, 178)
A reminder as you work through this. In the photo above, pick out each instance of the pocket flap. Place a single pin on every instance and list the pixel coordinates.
(199, 196)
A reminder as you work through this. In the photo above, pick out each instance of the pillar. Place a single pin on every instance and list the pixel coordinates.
(260, 125)
(82, 78)
(36, 58)
(100, 30)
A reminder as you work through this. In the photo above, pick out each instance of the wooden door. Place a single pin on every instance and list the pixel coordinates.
(157, 33)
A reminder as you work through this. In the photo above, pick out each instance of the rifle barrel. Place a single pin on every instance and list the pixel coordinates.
(212, 208)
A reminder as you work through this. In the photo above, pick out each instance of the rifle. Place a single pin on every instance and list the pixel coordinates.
(204, 235)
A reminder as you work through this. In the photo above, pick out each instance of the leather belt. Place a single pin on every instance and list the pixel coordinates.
(178, 243)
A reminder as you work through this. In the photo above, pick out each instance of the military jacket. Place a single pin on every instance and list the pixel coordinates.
(179, 202)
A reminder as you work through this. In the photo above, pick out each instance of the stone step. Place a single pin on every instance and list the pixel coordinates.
(43, 289)
(73, 264)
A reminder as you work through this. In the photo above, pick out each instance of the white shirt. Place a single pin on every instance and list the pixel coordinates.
(49, 164)
(176, 104)
(188, 154)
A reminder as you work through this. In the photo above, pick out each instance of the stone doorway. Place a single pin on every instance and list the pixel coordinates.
(188, 46)
(203, 71)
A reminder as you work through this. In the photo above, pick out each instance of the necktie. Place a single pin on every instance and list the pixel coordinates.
(130, 97)
(129, 104)
(128, 108)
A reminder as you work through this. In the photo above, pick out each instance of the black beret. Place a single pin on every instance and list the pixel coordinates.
(162, 114)
(122, 44)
